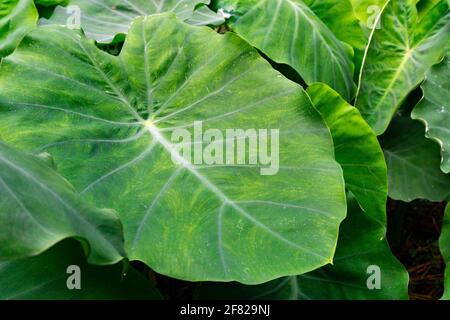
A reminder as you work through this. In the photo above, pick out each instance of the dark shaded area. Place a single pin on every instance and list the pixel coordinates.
(113, 48)
(413, 233)
(286, 70)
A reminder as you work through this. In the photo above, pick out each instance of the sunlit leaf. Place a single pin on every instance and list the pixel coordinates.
(108, 121)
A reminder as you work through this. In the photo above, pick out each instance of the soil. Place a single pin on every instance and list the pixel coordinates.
(413, 234)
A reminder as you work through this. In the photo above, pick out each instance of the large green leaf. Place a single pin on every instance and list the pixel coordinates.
(413, 163)
(17, 17)
(38, 208)
(339, 16)
(47, 275)
(289, 32)
(445, 250)
(357, 151)
(397, 57)
(434, 109)
(103, 20)
(108, 122)
(360, 247)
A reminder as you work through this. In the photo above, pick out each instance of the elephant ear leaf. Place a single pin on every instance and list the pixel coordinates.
(17, 18)
(289, 32)
(398, 55)
(445, 250)
(111, 122)
(434, 109)
(357, 150)
(40, 208)
(413, 163)
(61, 273)
(340, 18)
(104, 20)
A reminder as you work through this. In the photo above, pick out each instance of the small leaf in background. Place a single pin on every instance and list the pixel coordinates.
(289, 32)
(434, 109)
(413, 163)
(48, 277)
(38, 208)
(108, 122)
(398, 55)
(103, 20)
(17, 18)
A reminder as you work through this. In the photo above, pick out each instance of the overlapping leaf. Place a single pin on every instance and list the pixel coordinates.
(413, 163)
(434, 109)
(289, 32)
(108, 122)
(357, 151)
(46, 277)
(340, 18)
(38, 208)
(17, 17)
(398, 55)
(360, 249)
(104, 20)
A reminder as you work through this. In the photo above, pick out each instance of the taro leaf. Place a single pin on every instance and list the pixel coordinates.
(38, 208)
(339, 16)
(360, 247)
(413, 163)
(47, 277)
(17, 17)
(191, 221)
(445, 250)
(434, 109)
(357, 151)
(289, 32)
(103, 20)
(397, 57)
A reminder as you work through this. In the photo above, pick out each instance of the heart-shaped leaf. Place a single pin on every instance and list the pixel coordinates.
(38, 208)
(103, 20)
(434, 109)
(397, 57)
(62, 273)
(413, 163)
(110, 124)
(17, 17)
(289, 32)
